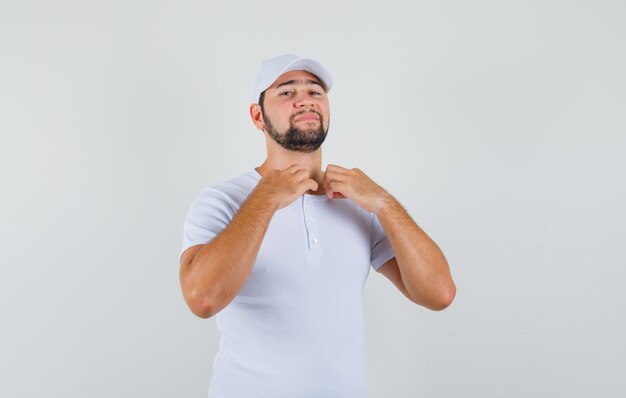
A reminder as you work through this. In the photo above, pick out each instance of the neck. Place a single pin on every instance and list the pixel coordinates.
(281, 158)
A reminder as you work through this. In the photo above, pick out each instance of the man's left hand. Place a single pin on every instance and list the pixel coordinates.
(354, 184)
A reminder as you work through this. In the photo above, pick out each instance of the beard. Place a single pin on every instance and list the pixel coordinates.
(298, 139)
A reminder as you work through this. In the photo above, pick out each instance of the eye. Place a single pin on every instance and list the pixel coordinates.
(284, 93)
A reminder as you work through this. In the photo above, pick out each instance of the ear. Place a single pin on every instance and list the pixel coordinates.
(257, 116)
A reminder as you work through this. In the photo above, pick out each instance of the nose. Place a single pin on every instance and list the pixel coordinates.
(303, 99)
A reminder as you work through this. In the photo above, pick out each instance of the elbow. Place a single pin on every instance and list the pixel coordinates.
(200, 306)
(444, 299)
(204, 312)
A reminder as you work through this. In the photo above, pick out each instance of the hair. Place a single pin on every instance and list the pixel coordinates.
(261, 99)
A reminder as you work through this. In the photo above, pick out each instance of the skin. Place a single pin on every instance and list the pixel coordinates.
(210, 277)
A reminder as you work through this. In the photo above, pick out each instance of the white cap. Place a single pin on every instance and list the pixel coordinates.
(272, 68)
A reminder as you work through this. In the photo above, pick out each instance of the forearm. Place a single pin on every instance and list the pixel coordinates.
(220, 269)
(423, 267)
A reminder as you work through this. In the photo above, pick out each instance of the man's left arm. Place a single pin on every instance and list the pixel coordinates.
(419, 265)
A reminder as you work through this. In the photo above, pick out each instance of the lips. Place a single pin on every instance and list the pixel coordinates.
(306, 117)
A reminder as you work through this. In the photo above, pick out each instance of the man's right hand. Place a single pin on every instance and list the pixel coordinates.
(282, 187)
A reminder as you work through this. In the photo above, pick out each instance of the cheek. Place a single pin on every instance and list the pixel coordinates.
(277, 118)
(326, 109)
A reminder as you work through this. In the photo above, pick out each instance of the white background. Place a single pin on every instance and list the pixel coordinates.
(499, 125)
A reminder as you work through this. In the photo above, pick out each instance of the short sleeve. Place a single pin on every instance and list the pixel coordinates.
(381, 248)
(207, 216)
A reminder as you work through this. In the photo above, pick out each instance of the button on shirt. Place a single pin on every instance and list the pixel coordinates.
(295, 329)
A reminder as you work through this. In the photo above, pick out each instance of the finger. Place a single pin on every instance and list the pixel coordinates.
(326, 181)
(335, 187)
(302, 174)
(335, 176)
(311, 184)
(293, 168)
(337, 168)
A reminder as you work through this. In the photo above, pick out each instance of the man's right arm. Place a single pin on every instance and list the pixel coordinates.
(212, 274)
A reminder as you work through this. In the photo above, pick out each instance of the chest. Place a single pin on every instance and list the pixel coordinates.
(314, 244)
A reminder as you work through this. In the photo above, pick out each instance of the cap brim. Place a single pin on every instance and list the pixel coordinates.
(312, 66)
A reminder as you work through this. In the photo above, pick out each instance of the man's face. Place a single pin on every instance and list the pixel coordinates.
(296, 111)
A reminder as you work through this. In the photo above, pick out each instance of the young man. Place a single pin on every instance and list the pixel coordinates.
(281, 253)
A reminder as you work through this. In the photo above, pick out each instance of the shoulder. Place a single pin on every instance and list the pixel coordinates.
(224, 197)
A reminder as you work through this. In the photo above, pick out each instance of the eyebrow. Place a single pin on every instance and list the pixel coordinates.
(299, 82)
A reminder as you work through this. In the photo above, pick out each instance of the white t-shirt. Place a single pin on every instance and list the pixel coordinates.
(295, 329)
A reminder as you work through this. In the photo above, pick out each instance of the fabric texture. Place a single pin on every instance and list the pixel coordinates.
(295, 329)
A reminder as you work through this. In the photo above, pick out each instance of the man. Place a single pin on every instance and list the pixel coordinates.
(281, 253)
